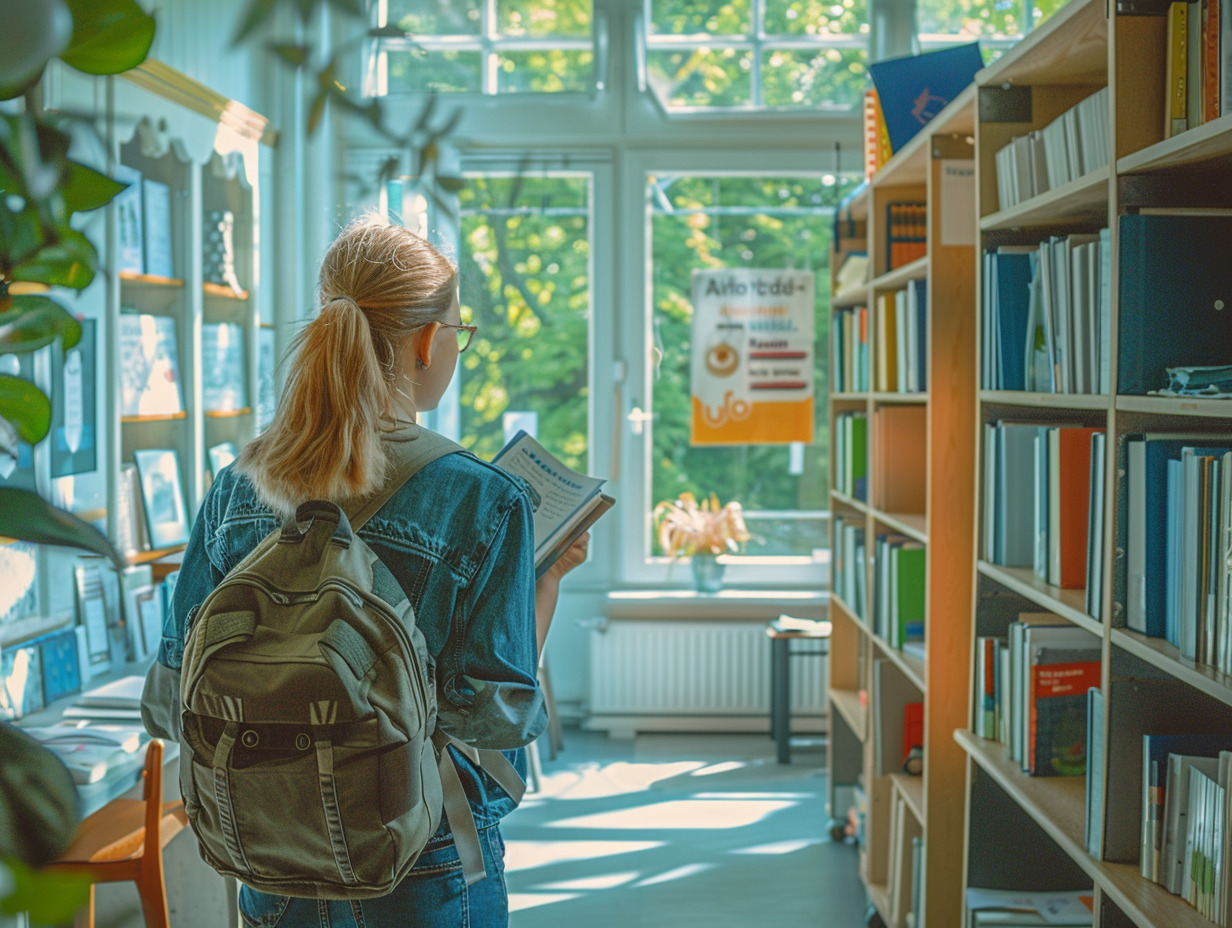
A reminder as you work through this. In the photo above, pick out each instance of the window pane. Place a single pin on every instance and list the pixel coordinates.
(816, 17)
(972, 20)
(713, 223)
(690, 17)
(525, 281)
(829, 79)
(538, 18)
(435, 72)
(702, 77)
(436, 17)
(551, 71)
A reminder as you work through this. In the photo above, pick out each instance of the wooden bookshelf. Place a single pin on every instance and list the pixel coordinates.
(1086, 45)
(846, 299)
(168, 417)
(131, 279)
(224, 292)
(146, 557)
(228, 414)
(913, 175)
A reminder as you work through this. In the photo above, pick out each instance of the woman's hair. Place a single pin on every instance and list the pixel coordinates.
(379, 282)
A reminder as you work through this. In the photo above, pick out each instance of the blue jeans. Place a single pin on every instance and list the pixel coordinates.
(435, 895)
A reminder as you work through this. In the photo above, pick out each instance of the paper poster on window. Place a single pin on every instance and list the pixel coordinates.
(752, 362)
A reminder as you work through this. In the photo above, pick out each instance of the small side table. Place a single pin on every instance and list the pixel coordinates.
(782, 632)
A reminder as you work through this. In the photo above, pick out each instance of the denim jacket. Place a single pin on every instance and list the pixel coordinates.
(459, 538)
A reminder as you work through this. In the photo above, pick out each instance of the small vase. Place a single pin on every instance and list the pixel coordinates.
(707, 573)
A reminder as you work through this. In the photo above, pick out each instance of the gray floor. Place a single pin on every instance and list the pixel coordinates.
(678, 830)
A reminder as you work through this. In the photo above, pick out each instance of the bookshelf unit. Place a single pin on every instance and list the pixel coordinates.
(1030, 833)
(916, 494)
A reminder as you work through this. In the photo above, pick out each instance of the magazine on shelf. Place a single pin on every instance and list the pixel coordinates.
(566, 503)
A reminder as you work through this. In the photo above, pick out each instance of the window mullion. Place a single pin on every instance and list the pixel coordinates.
(487, 38)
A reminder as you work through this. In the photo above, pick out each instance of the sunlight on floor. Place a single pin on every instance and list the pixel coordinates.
(779, 847)
(595, 781)
(527, 855)
(680, 813)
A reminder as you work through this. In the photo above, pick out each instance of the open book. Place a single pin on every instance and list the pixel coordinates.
(566, 503)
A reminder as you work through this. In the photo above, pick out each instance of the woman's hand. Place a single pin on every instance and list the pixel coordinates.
(547, 589)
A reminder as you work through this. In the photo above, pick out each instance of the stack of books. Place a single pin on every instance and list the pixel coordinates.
(1058, 528)
(902, 333)
(1071, 146)
(1006, 908)
(1046, 313)
(850, 345)
(1178, 525)
(851, 454)
(1031, 692)
(850, 563)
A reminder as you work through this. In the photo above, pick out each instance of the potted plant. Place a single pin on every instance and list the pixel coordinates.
(700, 531)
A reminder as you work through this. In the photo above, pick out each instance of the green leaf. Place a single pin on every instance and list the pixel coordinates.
(27, 407)
(70, 262)
(85, 189)
(32, 321)
(294, 55)
(109, 36)
(258, 12)
(27, 516)
(9, 93)
(48, 898)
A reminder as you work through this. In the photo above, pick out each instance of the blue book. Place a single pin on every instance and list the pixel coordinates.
(1176, 521)
(1012, 301)
(1175, 278)
(921, 332)
(915, 88)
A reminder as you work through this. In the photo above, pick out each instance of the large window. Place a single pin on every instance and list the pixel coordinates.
(525, 268)
(482, 46)
(736, 221)
(774, 54)
(996, 24)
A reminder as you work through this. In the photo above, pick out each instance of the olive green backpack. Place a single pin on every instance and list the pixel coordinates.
(311, 763)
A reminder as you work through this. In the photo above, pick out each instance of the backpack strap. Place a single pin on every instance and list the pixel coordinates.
(407, 455)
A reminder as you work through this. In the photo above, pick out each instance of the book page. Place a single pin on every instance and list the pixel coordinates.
(557, 490)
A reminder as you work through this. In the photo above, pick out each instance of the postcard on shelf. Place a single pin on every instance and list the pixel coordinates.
(266, 387)
(130, 247)
(92, 616)
(224, 385)
(156, 210)
(74, 409)
(566, 503)
(149, 366)
(130, 517)
(163, 496)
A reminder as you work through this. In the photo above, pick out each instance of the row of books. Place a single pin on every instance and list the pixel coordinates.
(1011, 908)
(850, 361)
(1072, 145)
(1055, 528)
(851, 454)
(905, 864)
(898, 592)
(1031, 692)
(1199, 41)
(850, 565)
(1178, 529)
(901, 335)
(1046, 312)
(906, 233)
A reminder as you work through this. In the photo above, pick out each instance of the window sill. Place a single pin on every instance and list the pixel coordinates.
(730, 604)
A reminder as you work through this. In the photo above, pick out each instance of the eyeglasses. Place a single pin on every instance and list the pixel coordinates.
(465, 334)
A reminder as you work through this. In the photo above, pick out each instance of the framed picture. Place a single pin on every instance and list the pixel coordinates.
(267, 397)
(156, 210)
(61, 669)
(74, 405)
(221, 455)
(166, 517)
(16, 471)
(21, 681)
(144, 616)
(92, 616)
(130, 242)
(149, 366)
(224, 363)
(130, 515)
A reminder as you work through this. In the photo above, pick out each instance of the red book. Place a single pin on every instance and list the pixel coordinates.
(1069, 494)
(913, 727)
(1057, 714)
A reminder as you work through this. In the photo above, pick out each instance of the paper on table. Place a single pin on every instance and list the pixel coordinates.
(1056, 908)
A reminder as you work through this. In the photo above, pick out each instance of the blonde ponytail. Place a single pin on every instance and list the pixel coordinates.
(379, 283)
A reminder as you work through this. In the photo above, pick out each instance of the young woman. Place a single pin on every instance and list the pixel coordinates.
(458, 537)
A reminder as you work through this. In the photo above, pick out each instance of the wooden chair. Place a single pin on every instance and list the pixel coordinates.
(124, 840)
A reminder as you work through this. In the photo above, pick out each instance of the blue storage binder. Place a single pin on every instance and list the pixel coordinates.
(915, 88)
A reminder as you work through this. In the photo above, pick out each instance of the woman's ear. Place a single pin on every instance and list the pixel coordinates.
(424, 339)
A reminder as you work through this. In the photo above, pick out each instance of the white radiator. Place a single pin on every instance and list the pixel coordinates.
(647, 675)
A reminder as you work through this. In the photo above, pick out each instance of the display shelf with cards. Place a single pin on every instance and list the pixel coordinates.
(1101, 609)
(899, 542)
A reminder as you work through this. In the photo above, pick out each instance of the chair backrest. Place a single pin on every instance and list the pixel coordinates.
(153, 794)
